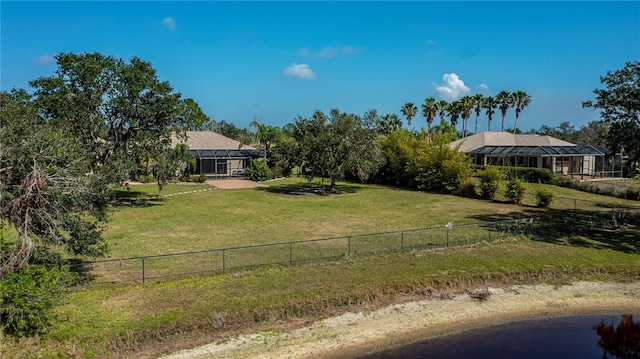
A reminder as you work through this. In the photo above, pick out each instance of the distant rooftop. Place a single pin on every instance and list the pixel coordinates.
(208, 140)
(504, 139)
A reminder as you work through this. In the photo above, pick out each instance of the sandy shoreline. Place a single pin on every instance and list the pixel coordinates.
(361, 333)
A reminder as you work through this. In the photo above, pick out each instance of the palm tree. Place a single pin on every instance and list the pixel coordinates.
(441, 107)
(505, 101)
(478, 100)
(429, 111)
(466, 106)
(409, 110)
(389, 123)
(490, 105)
(521, 100)
(454, 110)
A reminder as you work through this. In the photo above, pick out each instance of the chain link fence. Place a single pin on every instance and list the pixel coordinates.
(152, 268)
(572, 217)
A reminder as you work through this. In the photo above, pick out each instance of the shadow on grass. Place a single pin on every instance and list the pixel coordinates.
(617, 229)
(134, 199)
(310, 189)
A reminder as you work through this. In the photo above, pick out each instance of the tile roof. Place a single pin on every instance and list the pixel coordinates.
(208, 140)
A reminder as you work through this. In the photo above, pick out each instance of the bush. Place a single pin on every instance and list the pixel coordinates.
(146, 179)
(467, 189)
(258, 170)
(544, 197)
(490, 180)
(515, 190)
(28, 299)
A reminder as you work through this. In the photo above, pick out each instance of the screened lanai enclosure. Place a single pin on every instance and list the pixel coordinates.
(218, 156)
(539, 151)
(223, 163)
(581, 162)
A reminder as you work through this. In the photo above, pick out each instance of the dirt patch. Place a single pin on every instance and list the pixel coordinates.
(354, 334)
(234, 183)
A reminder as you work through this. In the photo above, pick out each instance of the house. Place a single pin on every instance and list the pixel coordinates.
(217, 155)
(531, 150)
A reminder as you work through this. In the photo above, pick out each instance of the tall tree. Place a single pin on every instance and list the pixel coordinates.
(505, 102)
(478, 101)
(47, 193)
(429, 111)
(441, 107)
(120, 112)
(521, 100)
(466, 106)
(192, 116)
(389, 122)
(490, 104)
(619, 105)
(454, 109)
(409, 110)
(331, 146)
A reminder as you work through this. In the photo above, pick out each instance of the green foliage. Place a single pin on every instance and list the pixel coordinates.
(28, 298)
(515, 190)
(146, 179)
(258, 170)
(438, 167)
(415, 161)
(467, 189)
(619, 105)
(119, 112)
(490, 179)
(605, 189)
(527, 174)
(49, 195)
(335, 145)
(544, 197)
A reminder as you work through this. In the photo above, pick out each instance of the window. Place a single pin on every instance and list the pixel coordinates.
(221, 167)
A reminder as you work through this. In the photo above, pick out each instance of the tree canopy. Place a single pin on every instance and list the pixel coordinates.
(334, 145)
(619, 105)
(120, 112)
(46, 193)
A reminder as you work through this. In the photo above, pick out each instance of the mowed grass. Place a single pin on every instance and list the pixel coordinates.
(147, 320)
(143, 321)
(243, 217)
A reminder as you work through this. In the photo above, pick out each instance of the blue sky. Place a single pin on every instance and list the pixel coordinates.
(278, 60)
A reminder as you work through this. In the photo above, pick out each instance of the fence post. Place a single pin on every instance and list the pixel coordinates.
(489, 231)
(349, 247)
(224, 264)
(575, 205)
(290, 253)
(143, 277)
(402, 240)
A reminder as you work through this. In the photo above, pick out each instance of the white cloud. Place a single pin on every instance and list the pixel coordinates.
(331, 51)
(170, 23)
(452, 87)
(483, 86)
(301, 71)
(43, 60)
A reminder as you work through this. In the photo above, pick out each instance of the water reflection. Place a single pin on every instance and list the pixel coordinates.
(594, 336)
(621, 341)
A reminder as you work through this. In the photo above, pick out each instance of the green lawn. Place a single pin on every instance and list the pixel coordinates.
(228, 218)
(143, 320)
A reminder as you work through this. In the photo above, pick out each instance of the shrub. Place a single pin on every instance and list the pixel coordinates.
(146, 179)
(490, 179)
(467, 189)
(544, 197)
(258, 171)
(515, 190)
(28, 299)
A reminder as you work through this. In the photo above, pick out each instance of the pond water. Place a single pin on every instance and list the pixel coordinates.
(592, 336)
